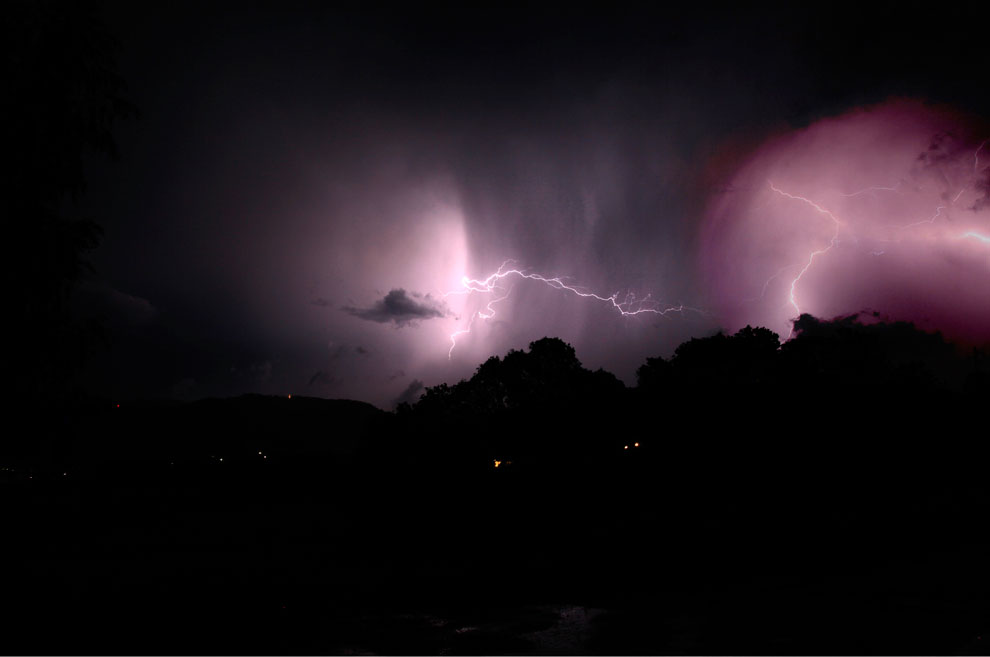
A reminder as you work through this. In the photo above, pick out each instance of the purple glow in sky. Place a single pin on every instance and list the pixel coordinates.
(307, 186)
(882, 209)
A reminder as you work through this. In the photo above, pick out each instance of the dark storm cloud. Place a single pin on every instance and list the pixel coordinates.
(261, 372)
(401, 308)
(983, 185)
(116, 308)
(184, 389)
(411, 394)
(321, 302)
(322, 378)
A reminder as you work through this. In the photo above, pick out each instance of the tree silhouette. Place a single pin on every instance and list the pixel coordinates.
(893, 358)
(61, 100)
(536, 405)
(719, 362)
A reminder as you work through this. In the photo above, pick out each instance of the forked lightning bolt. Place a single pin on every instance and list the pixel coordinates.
(493, 284)
(838, 224)
(792, 298)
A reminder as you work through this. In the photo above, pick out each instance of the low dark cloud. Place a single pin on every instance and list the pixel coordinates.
(411, 394)
(402, 308)
(361, 350)
(322, 378)
(321, 302)
(116, 308)
(337, 351)
(261, 372)
(184, 389)
(983, 186)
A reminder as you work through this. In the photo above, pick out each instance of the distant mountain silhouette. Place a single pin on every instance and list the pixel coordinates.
(234, 429)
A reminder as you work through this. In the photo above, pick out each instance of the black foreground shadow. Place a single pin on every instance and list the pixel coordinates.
(825, 497)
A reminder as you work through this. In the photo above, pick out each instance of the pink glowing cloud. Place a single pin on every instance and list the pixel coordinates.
(885, 209)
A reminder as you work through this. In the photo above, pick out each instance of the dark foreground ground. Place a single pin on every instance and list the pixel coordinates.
(353, 540)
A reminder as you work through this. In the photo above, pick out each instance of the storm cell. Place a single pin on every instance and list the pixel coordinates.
(882, 209)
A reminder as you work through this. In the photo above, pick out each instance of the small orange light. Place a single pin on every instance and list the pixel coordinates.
(625, 447)
(290, 396)
(498, 463)
(636, 445)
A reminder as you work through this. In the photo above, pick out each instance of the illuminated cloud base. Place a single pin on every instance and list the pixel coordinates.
(884, 209)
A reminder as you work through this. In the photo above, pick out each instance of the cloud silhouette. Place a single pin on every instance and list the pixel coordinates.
(401, 308)
(411, 394)
(322, 378)
(117, 308)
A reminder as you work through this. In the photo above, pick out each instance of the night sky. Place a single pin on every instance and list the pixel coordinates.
(305, 186)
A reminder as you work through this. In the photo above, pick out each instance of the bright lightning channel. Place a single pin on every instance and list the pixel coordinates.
(838, 224)
(792, 298)
(630, 305)
(976, 236)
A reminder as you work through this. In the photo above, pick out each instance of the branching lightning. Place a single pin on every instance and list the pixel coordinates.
(838, 225)
(972, 234)
(792, 298)
(495, 285)
(930, 220)
(872, 191)
(766, 283)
